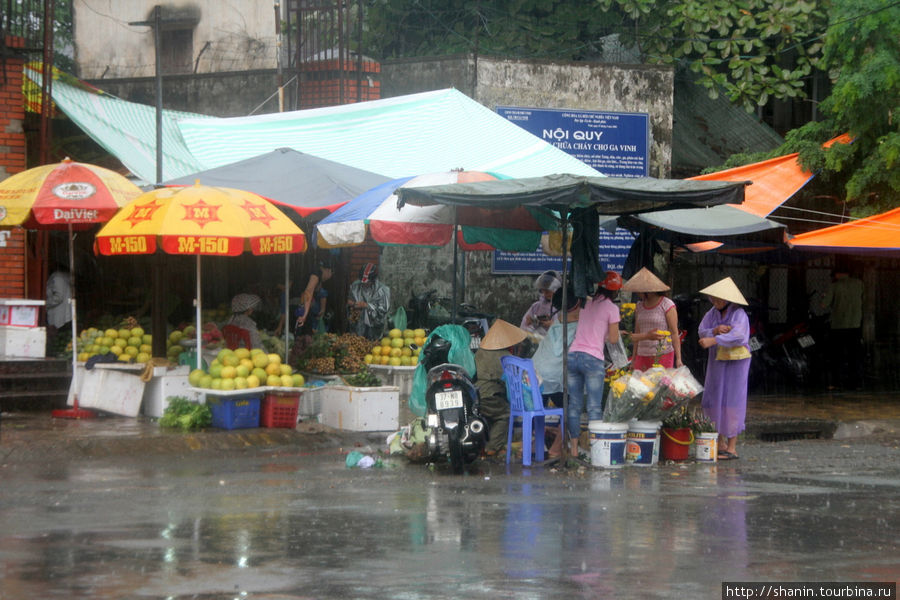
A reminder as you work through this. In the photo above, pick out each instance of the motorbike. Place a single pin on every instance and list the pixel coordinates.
(457, 430)
(428, 311)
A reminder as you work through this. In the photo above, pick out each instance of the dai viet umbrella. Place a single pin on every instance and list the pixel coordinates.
(200, 220)
(70, 196)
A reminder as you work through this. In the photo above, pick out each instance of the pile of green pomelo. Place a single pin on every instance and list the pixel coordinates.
(242, 369)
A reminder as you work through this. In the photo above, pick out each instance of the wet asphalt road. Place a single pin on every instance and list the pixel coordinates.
(290, 524)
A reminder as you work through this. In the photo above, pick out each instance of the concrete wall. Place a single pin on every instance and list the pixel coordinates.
(226, 36)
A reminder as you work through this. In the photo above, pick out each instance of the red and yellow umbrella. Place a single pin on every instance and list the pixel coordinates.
(200, 220)
(64, 194)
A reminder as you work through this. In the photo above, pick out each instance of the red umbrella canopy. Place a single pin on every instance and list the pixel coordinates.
(58, 195)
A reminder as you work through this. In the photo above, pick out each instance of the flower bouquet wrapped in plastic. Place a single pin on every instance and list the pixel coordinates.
(627, 396)
(676, 388)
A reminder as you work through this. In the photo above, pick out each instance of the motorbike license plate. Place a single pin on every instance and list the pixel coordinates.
(806, 341)
(445, 400)
(755, 344)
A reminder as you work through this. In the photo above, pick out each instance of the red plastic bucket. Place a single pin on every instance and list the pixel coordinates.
(675, 443)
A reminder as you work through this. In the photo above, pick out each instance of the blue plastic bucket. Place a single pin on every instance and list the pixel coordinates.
(607, 444)
(642, 443)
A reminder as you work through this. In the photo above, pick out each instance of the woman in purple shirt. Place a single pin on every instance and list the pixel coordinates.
(725, 331)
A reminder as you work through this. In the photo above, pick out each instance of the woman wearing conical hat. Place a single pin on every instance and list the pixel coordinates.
(655, 334)
(725, 331)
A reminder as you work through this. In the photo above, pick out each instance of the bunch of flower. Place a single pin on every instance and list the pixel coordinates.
(676, 388)
(661, 345)
(700, 423)
(678, 418)
(626, 322)
(628, 395)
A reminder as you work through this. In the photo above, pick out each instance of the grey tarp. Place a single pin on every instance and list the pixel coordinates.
(724, 223)
(609, 195)
(561, 195)
(311, 186)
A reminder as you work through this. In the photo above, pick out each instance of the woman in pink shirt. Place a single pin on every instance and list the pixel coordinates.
(655, 312)
(598, 323)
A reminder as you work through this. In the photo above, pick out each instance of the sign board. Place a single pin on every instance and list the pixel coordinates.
(614, 248)
(616, 144)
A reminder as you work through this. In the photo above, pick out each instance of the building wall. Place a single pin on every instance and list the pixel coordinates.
(223, 36)
(12, 160)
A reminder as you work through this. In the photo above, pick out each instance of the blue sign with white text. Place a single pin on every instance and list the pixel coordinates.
(614, 248)
(616, 144)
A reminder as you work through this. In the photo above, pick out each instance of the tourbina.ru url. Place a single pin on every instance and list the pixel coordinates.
(811, 589)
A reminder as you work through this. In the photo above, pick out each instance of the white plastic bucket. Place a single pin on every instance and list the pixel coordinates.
(607, 444)
(642, 443)
(706, 445)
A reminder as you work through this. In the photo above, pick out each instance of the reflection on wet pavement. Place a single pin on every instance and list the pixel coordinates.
(292, 526)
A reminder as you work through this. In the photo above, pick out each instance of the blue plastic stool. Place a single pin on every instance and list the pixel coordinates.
(521, 378)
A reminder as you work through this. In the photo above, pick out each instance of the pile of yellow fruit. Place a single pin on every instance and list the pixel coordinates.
(128, 344)
(399, 348)
(243, 369)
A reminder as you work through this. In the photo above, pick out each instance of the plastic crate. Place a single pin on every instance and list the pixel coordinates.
(236, 412)
(280, 410)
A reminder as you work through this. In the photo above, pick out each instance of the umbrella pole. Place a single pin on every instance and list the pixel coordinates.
(75, 412)
(455, 267)
(287, 302)
(199, 318)
(564, 447)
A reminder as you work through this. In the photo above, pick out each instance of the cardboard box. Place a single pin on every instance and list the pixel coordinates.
(360, 409)
(22, 342)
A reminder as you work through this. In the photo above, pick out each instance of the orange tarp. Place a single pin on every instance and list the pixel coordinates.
(872, 234)
(774, 182)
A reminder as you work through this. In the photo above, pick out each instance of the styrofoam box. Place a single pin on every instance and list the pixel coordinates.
(19, 312)
(310, 402)
(402, 377)
(360, 409)
(166, 384)
(114, 390)
(22, 342)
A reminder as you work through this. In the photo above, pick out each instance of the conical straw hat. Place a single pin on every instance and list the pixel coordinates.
(502, 335)
(725, 289)
(645, 281)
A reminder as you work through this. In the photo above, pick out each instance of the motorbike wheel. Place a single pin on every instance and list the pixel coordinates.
(457, 461)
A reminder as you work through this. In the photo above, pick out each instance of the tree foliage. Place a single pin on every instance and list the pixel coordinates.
(752, 49)
(559, 29)
(862, 58)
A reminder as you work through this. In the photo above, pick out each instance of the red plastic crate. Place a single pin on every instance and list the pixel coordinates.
(280, 410)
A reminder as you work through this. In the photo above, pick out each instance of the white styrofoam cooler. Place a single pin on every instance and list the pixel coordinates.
(117, 389)
(360, 408)
(22, 342)
(167, 383)
(19, 312)
(402, 377)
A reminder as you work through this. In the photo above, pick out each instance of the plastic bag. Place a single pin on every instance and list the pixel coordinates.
(459, 354)
(616, 354)
(399, 318)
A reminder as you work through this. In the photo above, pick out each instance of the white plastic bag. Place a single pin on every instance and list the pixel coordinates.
(616, 354)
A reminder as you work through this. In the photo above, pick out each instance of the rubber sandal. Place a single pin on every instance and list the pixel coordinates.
(725, 455)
